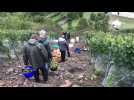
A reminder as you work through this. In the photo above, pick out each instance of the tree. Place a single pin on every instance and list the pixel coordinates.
(73, 16)
(82, 24)
(99, 21)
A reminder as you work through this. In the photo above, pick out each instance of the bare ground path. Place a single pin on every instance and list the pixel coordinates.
(75, 72)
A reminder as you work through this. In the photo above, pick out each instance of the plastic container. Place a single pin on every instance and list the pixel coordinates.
(71, 45)
(28, 71)
(72, 40)
(77, 50)
(77, 39)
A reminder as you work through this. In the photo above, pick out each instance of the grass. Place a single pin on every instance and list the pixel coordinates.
(127, 23)
(65, 27)
(86, 15)
(56, 18)
(75, 23)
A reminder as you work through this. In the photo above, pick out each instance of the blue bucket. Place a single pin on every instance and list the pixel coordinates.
(77, 50)
(28, 71)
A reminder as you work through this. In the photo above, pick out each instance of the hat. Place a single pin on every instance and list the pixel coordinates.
(55, 46)
(42, 33)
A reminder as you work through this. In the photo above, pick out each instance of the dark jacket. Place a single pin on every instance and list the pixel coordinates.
(34, 54)
(67, 36)
(46, 44)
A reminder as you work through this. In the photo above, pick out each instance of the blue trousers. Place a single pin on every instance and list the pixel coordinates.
(44, 69)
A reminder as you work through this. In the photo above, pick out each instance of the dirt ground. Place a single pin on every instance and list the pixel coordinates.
(75, 72)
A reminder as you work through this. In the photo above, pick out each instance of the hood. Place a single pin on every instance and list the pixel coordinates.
(42, 39)
(32, 41)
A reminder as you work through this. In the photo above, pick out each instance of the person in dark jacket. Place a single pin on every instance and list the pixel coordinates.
(36, 55)
(44, 40)
(63, 48)
(67, 36)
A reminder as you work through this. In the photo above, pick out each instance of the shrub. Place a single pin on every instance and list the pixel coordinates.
(121, 46)
(99, 21)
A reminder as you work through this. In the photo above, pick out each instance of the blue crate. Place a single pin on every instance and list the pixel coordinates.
(28, 71)
(77, 50)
